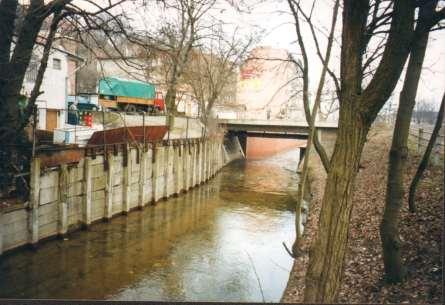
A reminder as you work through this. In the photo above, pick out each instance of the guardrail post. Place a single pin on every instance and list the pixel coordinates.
(34, 201)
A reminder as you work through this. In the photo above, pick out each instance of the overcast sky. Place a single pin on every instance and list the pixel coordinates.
(273, 17)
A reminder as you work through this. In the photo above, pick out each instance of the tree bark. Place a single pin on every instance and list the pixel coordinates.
(310, 116)
(326, 261)
(424, 163)
(358, 109)
(16, 69)
(42, 68)
(8, 10)
(389, 227)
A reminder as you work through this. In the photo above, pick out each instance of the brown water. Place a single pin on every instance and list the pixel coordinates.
(219, 242)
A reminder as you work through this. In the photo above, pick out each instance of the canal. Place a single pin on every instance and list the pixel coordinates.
(218, 242)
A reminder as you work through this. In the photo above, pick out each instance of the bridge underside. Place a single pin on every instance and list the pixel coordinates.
(243, 135)
(276, 135)
(242, 129)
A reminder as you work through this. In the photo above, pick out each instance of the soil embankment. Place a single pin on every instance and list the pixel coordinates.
(421, 233)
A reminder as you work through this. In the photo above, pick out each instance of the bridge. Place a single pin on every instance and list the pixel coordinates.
(274, 128)
(283, 129)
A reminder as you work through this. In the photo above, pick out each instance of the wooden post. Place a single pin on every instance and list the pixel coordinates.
(63, 201)
(419, 140)
(126, 183)
(436, 153)
(109, 188)
(34, 202)
(88, 189)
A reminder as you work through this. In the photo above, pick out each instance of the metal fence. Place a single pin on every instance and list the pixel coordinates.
(419, 137)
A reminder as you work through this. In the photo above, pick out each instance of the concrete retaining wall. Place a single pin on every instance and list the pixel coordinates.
(69, 197)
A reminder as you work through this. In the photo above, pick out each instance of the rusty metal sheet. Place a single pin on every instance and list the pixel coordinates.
(128, 135)
(52, 158)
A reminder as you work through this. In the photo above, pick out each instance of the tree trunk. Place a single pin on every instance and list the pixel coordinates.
(358, 109)
(170, 99)
(17, 154)
(389, 228)
(16, 69)
(424, 163)
(7, 16)
(325, 269)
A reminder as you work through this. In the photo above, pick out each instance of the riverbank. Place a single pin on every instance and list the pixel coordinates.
(421, 233)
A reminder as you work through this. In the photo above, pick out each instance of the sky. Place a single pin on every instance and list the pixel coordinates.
(273, 19)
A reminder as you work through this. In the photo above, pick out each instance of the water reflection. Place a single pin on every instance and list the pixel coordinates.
(207, 245)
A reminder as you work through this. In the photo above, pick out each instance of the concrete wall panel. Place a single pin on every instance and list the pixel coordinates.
(172, 173)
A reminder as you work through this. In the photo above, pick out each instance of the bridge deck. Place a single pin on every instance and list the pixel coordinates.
(281, 123)
(274, 126)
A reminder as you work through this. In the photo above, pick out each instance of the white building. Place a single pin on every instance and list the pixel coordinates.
(56, 85)
(267, 86)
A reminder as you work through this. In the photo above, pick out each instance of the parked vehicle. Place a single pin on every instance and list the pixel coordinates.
(84, 102)
(129, 95)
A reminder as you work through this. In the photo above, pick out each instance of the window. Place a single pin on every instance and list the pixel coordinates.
(57, 64)
(31, 73)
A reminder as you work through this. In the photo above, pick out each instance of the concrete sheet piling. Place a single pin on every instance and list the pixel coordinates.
(87, 196)
(126, 182)
(73, 196)
(34, 202)
(63, 200)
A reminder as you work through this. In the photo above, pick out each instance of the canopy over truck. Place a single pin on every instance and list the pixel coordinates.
(129, 95)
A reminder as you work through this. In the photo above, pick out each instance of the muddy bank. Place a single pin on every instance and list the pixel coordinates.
(421, 234)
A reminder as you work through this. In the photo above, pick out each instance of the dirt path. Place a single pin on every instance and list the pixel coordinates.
(421, 234)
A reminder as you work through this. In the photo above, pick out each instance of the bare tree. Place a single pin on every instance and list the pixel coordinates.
(425, 112)
(389, 228)
(23, 29)
(297, 11)
(175, 39)
(213, 70)
(361, 96)
(426, 156)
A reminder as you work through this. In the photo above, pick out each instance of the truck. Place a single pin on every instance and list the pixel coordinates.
(121, 94)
